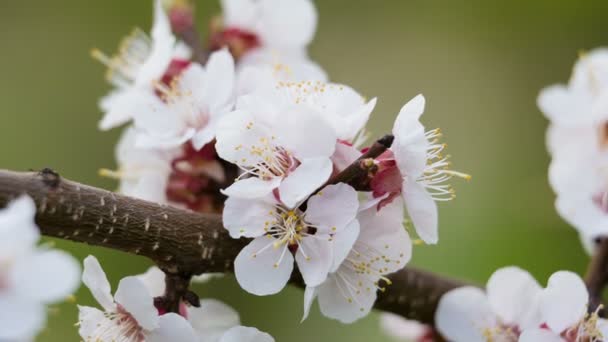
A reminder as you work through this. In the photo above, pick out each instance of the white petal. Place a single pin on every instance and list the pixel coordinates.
(539, 335)
(262, 269)
(512, 293)
(46, 276)
(96, 280)
(287, 23)
(245, 334)
(301, 118)
(240, 13)
(18, 231)
(134, 297)
(162, 48)
(344, 155)
(310, 293)
(339, 301)
(247, 217)
(422, 210)
(90, 322)
(306, 178)
(564, 106)
(563, 302)
(238, 130)
(219, 85)
(314, 258)
(410, 145)
(401, 328)
(20, 319)
(154, 280)
(332, 208)
(463, 314)
(172, 327)
(212, 319)
(343, 242)
(252, 187)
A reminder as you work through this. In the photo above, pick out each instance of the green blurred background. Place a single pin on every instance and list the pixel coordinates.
(480, 64)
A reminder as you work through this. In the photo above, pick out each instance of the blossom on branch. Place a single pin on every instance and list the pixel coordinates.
(314, 237)
(30, 276)
(140, 62)
(415, 169)
(515, 307)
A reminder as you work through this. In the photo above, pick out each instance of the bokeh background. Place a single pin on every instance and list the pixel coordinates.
(480, 64)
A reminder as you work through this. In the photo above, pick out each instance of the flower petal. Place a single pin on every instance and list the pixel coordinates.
(154, 280)
(46, 275)
(246, 217)
(422, 210)
(463, 314)
(301, 118)
(563, 303)
(20, 319)
(252, 187)
(219, 84)
(314, 258)
(262, 269)
(333, 208)
(134, 297)
(96, 280)
(410, 145)
(163, 42)
(172, 327)
(245, 334)
(539, 335)
(18, 231)
(310, 293)
(339, 300)
(512, 293)
(290, 23)
(343, 243)
(306, 178)
(212, 319)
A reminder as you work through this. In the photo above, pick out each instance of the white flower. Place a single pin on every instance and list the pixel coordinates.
(30, 277)
(128, 316)
(577, 139)
(213, 321)
(190, 107)
(508, 306)
(277, 24)
(140, 62)
(404, 329)
(315, 236)
(415, 169)
(563, 306)
(345, 110)
(143, 172)
(276, 67)
(272, 143)
(381, 247)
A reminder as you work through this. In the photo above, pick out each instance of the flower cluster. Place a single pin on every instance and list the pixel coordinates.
(515, 307)
(131, 314)
(577, 139)
(30, 276)
(261, 122)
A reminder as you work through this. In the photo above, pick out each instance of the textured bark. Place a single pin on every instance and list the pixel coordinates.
(180, 242)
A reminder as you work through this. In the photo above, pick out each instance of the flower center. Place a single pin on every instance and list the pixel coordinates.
(271, 160)
(118, 326)
(586, 330)
(238, 41)
(501, 333)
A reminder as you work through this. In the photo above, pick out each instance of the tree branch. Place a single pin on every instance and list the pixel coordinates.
(596, 276)
(180, 242)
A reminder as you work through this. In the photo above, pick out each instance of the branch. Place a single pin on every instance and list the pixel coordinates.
(596, 277)
(180, 242)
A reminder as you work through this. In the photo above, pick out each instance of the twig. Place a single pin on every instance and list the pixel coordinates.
(363, 165)
(180, 242)
(596, 277)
